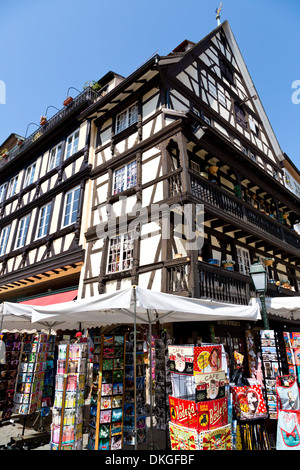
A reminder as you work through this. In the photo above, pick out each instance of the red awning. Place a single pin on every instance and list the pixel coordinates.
(52, 299)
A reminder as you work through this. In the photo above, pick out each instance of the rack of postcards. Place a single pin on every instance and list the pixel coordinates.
(8, 373)
(67, 412)
(292, 350)
(107, 399)
(130, 407)
(271, 367)
(36, 364)
(199, 404)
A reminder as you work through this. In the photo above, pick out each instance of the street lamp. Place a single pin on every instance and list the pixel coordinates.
(258, 275)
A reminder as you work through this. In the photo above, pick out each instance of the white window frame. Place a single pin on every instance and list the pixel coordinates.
(29, 174)
(70, 147)
(55, 157)
(243, 259)
(125, 177)
(43, 222)
(2, 191)
(120, 253)
(70, 213)
(126, 118)
(22, 231)
(4, 236)
(12, 186)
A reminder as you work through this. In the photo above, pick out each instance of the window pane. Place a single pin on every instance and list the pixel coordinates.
(4, 239)
(72, 205)
(2, 191)
(22, 232)
(44, 221)
(120, 253)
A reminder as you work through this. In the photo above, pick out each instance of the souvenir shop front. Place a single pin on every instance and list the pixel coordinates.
(142, 374)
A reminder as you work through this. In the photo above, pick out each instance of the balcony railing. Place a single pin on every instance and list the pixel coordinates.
(221, 199)
(218, 284)
(88, 95)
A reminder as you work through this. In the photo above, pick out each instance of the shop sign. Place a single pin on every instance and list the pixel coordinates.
(181, 359)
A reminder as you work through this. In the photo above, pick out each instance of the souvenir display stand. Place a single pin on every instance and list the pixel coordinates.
(107, 393)
(134, 402)
(199, 401)
(271, 367)
(35, 375)
(8, 373)
(67, 413)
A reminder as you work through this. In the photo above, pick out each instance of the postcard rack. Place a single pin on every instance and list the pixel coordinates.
(67, 413)
(107, 393)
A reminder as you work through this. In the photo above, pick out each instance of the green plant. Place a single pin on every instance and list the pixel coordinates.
(92, 84)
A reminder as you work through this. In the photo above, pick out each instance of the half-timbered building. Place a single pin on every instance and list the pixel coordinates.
(188, 129)
(42, 183)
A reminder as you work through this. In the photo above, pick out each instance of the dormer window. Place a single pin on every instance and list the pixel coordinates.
(127, 118)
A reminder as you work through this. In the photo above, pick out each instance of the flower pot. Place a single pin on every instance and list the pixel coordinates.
(200, 258)
(68, 101)
(214, 262)
(213, 170)
(43, 121)
(268, 262)
(20, 142)
(286, 285)
(204, 174)
(272, 281)
(178, 255)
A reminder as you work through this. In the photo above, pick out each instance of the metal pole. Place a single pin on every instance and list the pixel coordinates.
(264, 311)
(151, 383)
(134, 365)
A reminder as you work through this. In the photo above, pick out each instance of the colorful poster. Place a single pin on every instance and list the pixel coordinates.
(218, 439)
(181, 359)
(249, 403)
(295, 340)
(183, 438)
(209, 386)
(207, 358)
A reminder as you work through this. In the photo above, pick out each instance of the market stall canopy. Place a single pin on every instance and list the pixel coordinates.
(144, 305)
(286, 307)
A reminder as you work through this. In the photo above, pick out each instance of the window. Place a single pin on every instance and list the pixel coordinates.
(125, 177)
(2, 191)
(22, 231)
(240, 116)
(226, 71)
(243, 258)
(127, 118)
(4, 239)
(72, 144)
(120, 253)
(12, 186)
(43, 221)
(29, 175)
(71, 206)
(55, 156)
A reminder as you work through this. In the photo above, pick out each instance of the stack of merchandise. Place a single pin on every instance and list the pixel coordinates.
(199, 406)
(106, 410)
(67, 413)
(8, 373)
(271, 367)
(130, 407)
(37, 354)
(292, 348)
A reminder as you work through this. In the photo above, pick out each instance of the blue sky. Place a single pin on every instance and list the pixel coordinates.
(49, 46)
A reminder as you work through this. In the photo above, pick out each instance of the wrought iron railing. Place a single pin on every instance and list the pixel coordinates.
(87, 95)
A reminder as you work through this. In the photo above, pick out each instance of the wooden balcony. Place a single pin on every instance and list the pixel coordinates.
(217, 283)
(233, 210)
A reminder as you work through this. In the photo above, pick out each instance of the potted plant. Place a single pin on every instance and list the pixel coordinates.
(178, 255)
(269, 261)
(20, 142)
(213, 170)
(68, 101)
(214, 262)
(228, 264)
(286, 284)
(43, 120)
(4, 154)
